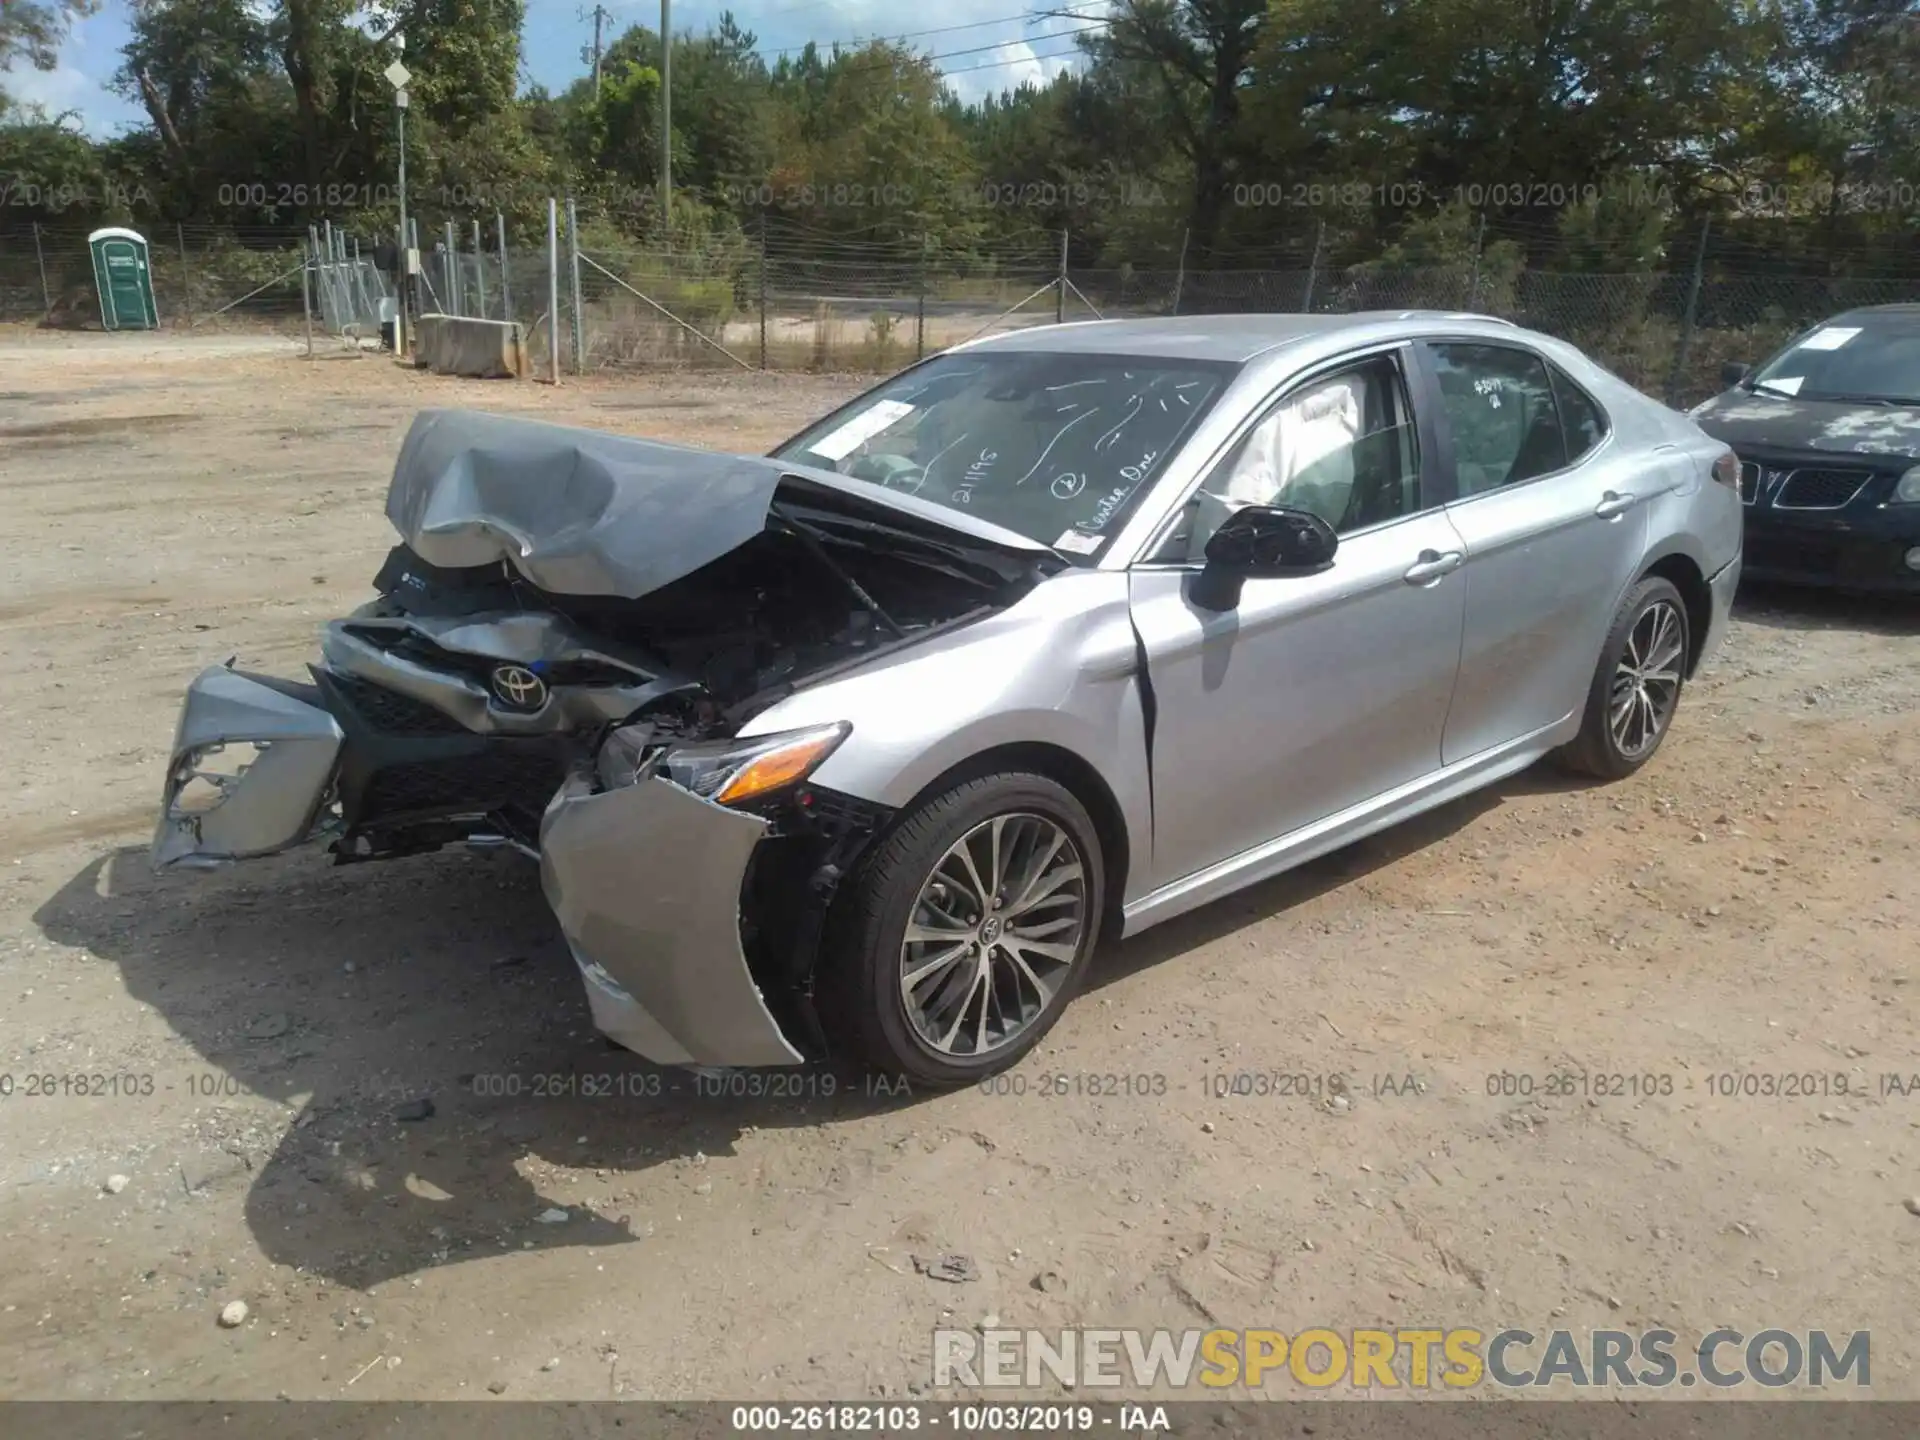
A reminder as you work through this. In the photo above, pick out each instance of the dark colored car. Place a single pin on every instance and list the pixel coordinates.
(1828, 435)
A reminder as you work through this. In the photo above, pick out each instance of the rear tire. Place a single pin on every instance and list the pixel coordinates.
(960, 940)
(1636, 686)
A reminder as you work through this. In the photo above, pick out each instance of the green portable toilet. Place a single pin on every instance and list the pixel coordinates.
(124, 279)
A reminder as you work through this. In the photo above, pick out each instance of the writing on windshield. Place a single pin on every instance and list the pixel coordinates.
(1058, 447)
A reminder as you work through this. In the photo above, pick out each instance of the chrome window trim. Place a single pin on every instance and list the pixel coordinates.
(1276, 397)
(1606, 440)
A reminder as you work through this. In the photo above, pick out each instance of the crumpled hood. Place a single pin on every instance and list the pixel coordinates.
(1744, 417)
(581, 512)
(577, 512)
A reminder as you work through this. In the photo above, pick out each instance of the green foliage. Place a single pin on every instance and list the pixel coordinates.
(1591, 137)
(31, 30)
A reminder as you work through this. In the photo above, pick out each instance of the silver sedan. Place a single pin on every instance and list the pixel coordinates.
(860, 748)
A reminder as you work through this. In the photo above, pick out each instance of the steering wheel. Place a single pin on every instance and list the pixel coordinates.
(895, 472)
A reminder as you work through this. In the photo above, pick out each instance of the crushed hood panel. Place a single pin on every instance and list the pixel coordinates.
(575, 511)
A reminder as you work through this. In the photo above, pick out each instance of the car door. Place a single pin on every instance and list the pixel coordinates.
(1315, 693)
(1554, 518)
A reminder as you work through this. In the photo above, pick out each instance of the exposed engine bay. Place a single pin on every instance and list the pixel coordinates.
(468, 693)
(565, 648)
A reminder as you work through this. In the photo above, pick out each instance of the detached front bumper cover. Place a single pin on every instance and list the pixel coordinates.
(250, 771)
(646, 879)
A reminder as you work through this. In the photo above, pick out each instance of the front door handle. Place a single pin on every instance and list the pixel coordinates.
(1432, 565)
(1613, 503)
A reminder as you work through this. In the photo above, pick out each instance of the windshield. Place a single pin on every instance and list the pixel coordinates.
(1854, 358)
(1058, 447)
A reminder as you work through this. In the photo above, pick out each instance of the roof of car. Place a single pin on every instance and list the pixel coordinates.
(1877, 312)
(1203, 337)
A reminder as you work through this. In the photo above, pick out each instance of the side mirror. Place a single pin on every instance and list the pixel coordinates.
(1261, 542)
(1732, 373)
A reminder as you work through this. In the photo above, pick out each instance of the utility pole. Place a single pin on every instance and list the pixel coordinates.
(666, 121)
(592, 54)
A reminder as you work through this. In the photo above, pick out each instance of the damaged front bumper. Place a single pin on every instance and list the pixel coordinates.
(647, 881)
(250, 773)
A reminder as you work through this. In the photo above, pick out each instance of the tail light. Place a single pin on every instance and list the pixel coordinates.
(1726, 469)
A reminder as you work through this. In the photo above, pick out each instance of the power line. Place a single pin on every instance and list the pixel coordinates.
(988, 49)
(1029, 17)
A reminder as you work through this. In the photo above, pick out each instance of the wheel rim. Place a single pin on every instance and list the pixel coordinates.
(1646, 682)
(993, 934)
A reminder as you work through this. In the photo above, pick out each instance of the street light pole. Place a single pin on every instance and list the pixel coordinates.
(398, 75)
(400, 283)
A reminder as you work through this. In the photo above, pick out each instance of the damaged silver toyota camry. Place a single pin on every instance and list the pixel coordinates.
(858, 748)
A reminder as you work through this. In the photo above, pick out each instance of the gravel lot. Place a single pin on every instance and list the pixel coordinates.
(1747, 904)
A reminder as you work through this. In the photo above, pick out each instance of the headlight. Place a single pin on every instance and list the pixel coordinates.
(1907, 492)
(731, 771)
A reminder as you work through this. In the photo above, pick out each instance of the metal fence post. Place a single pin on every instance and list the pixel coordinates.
(553, 285)
(920, 305)
(1313, 267)
(450, 273)
(573, 260)
(1685, 343)
(310, 260)
(506, 286)
(306, 293)
(186, 275)
(1060, 284)
(1479, 248)
(479, 273)
(1180, 274)
(763, 289)
(46, 292)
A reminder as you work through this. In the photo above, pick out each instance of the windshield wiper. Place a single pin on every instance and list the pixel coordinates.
(1892, 401)
(1757, 386)
(809, 539)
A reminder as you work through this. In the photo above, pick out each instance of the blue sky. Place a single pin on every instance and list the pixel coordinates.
(988, 44)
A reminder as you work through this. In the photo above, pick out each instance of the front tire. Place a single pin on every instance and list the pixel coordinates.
(962, 937)
(1637, 684)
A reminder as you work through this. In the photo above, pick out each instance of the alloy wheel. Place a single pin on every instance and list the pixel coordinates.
(993, 934)
(1646, 681)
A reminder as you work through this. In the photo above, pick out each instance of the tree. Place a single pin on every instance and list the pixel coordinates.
(1199, 54)
(32, 30)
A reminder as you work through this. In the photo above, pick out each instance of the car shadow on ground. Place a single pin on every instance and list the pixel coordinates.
(350, 996)
(1798, 607)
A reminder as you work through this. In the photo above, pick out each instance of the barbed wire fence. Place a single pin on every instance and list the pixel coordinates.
(786, 297)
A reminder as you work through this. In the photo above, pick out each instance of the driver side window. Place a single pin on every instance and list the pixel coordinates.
(1341, 446)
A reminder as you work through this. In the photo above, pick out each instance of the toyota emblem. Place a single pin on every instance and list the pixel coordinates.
(518, 688)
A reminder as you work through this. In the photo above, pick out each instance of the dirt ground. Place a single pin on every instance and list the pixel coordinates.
(1747, 904)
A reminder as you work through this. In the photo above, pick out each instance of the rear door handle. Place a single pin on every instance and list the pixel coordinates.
(1612, 503)
(1432, 565)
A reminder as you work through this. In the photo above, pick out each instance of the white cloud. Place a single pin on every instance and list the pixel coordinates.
(1007, 67)
(73, 86)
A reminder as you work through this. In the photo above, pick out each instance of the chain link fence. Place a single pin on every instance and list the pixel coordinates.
(789, 300)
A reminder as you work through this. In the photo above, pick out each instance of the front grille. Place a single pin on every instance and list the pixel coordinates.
(502, 777)
(1820, 489)
(393, 713)
(1750, 474)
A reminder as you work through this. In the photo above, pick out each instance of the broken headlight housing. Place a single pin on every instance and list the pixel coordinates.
(207, 774)
(727, 772)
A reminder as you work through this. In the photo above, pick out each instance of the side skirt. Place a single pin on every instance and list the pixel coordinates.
(1312, 841)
